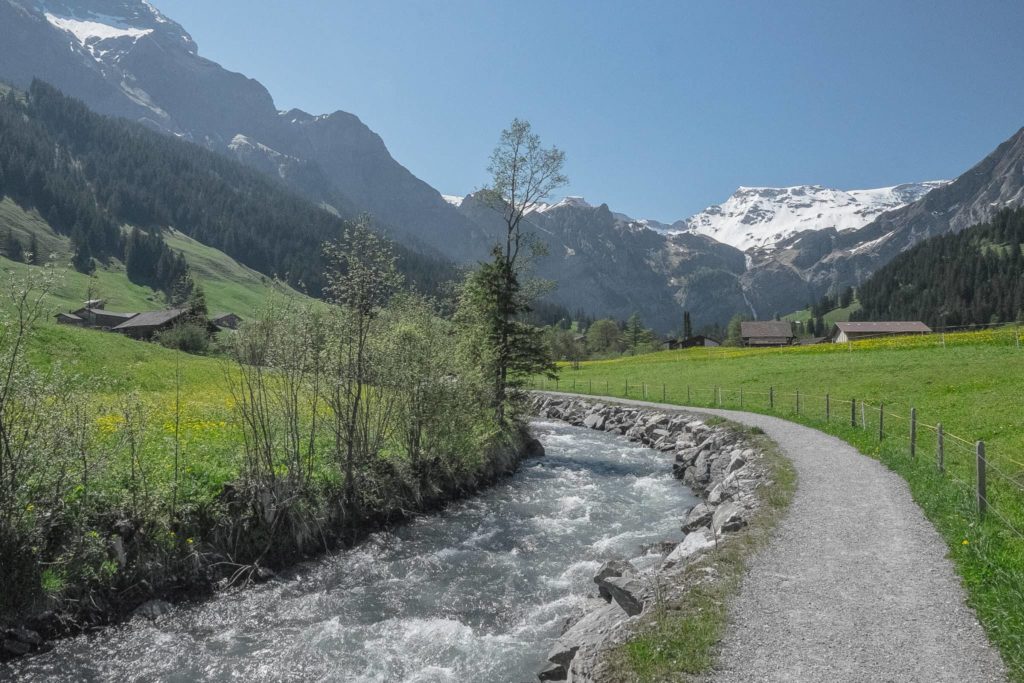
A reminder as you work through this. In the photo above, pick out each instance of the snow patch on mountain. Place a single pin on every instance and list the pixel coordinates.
(90, 34)
(758, 217)
(453, 199)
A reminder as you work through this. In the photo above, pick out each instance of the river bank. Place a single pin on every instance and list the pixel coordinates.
(244, 538)
(478, 591)
(744, 487)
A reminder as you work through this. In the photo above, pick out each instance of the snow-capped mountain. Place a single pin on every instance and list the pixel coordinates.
(759, 217)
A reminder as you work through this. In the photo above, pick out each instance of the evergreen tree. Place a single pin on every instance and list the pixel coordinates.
(12, 247)
(82, 259)
(34, 257)
(687, 325)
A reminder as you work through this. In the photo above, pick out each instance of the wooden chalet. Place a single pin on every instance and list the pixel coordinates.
(145, 325)
(767, 333)
(846, 332)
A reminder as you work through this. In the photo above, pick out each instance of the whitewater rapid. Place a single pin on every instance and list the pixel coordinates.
(478, 592)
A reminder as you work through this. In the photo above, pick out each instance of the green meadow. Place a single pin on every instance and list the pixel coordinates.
(969, 382)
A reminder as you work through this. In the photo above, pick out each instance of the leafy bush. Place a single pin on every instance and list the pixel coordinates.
(190, 337)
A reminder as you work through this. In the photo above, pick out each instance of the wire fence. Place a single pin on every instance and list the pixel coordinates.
(987, 478)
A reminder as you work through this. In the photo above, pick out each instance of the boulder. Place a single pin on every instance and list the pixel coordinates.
(700, 516)
(24, 635)
(594, 421)
(719, 494)
(627, 592)
(590, 630)
(699, 540)
(554, 672)
(16, 648)
(735, 462)
(533, 448)
(728, 517)
(153, 609)
(608, 570)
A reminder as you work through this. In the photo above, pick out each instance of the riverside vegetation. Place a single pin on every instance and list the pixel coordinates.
(970, 382)
(130, 472)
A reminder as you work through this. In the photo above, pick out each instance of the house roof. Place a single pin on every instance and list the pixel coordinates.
(152, 319)
(883, 327)
(108, 314)
(69, 316)
(766, 329)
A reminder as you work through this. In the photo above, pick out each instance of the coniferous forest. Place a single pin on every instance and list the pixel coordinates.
(973, 277)
(88, 175)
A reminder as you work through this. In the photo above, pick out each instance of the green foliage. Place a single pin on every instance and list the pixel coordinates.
(88, 175)
(190, 337)
(604, 337)
(734, 333)
(975, 276)
(980, 400)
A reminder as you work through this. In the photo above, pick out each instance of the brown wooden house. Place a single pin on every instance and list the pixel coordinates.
(767, 333)
(145, 325)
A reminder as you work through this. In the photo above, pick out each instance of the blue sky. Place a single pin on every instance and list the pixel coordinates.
(662, 107)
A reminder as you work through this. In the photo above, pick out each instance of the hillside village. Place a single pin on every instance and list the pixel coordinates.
(145, 325)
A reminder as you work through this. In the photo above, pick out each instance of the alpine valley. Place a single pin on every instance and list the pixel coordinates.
(764, 251)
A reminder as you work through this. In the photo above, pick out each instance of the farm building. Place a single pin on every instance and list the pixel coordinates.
(845, 332)
(767, 333)
(145, 325)
(69, 319)
(226, 321)
(690, 342)
(101, 318)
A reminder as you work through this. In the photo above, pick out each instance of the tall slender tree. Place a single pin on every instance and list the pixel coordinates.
(523, 173)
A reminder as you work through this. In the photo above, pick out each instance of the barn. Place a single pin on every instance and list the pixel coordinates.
(767, 333)
(847, 332)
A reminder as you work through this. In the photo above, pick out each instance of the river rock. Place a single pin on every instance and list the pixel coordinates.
(554, 672)
(735, 462)
(719, 494)
(594, 421)
(16, 648)
(728, 517)
(627, 592)
(590, 630)
(695, 542)
(533, 448)
(153, 609)
(611, 569)
(699, 516)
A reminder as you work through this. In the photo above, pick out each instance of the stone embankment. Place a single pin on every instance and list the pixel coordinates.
(716, 461)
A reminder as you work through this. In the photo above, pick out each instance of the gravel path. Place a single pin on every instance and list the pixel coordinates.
(855, 584)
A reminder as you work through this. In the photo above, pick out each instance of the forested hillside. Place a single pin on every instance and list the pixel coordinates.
(972, 277)
(88, 175)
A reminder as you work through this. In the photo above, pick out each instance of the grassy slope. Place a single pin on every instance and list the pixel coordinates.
(229, 286)
(971, 385)
(836, 315)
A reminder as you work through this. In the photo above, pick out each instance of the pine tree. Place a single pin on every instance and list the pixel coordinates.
(12, 247)
(687, 325)
(34, 257)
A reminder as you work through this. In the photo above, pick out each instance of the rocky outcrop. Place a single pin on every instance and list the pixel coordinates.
(715, 461)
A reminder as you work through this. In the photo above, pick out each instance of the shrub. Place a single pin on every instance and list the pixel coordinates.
(190, 337)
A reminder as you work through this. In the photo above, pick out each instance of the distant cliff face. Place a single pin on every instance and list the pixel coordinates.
(763, 251)
(125, 58)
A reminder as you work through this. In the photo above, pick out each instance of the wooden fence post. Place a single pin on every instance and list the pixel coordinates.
(687, 394)
(574, 385)
(940, 447)
(982, 498)
(853, 412)
(797, 401)
(664, 393)
(913, 432)
(863, 416)
(556, 384)
(881, 421)
(741, 398)
(771, 397)
(828, 408)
